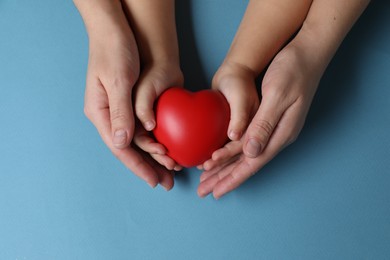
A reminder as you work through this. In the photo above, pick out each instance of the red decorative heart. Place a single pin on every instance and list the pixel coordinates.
(191, 125)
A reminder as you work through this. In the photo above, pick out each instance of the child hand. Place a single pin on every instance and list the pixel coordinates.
(237, 84)
(287, 90)
(154, 80)
(155, 31)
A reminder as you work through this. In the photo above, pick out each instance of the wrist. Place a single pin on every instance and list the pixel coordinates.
(318, 48)
(102, 17)
(90, 10)
(326, 26)
(233, 68)
(162, 53)
(162, 59)
(231, 71)
(167, 70)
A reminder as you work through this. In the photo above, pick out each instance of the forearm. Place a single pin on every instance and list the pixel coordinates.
(327, 24)
(154, 26)
(102, 18)
(265, 28)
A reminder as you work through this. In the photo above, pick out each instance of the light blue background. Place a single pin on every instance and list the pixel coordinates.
(64, 196)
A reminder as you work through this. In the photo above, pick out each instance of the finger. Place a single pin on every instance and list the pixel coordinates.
(154, 81)
(166, 161)
(240, 108)
(144, 99)
(212, 178)
(230, 150)
(121, 113)
(211, 165)
(147, 143)
(286, 132)
(218, 167)
(208, 165)
(165, 177)
(166, 180)
(129, 157)
(178, 168)
(262, 126)
(239, 117)
(206, 187)
(234, 176)
(207, 174)
(156, 150)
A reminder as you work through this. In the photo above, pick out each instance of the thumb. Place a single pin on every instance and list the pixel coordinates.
(144, 101)
(243, 101)
(262, 126)
(239, 117)
(121, 116)
(154, 81)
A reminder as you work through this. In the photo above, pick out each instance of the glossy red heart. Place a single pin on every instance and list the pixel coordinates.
(191, 125)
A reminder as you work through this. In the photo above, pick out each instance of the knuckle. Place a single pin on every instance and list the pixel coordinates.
(136, 164)
(276, 94)
(118, 115)
(122, 82)
(141, 110)
(292, 138)
(240, 120)
(88, 112)
(225, 80)
(263, 127)
(170, 165)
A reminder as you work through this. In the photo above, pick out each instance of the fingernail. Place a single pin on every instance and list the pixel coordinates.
(120, 138)
(201, 194)
(161, 151)
(152, 185)
(233, 135)
(253, 148)
(149, 125)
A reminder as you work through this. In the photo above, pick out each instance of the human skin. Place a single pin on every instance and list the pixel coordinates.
(288, 88)
(235, 78)
(113, 71)
(154, 26)
(265, 28)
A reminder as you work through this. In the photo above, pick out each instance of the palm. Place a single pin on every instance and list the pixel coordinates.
(289, 88)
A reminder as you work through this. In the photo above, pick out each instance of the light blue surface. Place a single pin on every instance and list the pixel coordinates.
(64, 196)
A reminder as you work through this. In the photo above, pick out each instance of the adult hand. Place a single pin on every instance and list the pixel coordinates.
(113, 69)
(287, 91)
(288, 88)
